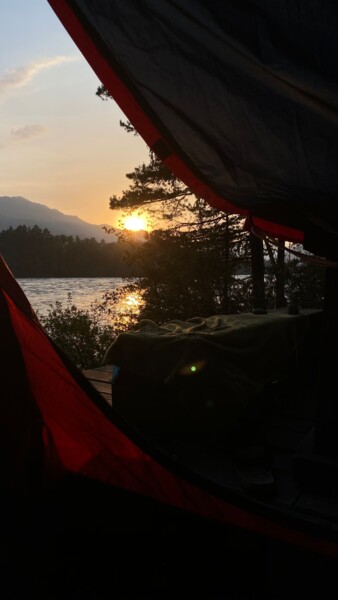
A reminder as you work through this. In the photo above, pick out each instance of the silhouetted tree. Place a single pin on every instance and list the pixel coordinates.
(191, 258)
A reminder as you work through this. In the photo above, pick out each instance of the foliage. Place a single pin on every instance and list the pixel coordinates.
(192, 267)
(189, 263)
(189, 267)
(33, 252)
(304, 284)
(185, 275)
(84, 335)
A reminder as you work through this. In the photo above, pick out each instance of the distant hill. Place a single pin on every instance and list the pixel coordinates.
(15, 211)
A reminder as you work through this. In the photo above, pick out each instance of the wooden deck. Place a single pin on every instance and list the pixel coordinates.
(101, 380)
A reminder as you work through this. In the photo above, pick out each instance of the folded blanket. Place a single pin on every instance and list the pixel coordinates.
(227, 358)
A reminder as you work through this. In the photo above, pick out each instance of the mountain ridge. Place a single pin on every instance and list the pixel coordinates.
(17, 210)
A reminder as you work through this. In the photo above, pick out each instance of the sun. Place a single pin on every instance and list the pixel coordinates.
(135, 223)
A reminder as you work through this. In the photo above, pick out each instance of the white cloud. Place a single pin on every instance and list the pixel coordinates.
(26, 132)
(22, 75)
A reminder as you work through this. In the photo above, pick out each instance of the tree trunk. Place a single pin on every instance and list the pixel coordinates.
(280, 276)
(257, 273)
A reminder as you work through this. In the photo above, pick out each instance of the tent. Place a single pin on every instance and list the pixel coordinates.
(68, 458)
(240, 102)
(71, 468)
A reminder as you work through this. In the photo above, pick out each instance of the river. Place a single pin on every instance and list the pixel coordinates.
(43, 292)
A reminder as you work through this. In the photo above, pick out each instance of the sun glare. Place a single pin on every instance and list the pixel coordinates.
(135, 223)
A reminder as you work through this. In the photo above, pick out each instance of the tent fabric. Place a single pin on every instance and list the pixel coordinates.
(238, 99)
(20, 420)
(58, 424)
(78, 436)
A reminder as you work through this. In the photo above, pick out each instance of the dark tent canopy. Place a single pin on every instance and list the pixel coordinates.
(239, 99)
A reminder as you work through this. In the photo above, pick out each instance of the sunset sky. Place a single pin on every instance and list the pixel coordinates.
(60, 145)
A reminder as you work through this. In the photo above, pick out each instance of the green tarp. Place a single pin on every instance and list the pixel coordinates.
(207, 370)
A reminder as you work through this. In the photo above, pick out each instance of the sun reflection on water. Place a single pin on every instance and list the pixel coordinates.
(127, 308)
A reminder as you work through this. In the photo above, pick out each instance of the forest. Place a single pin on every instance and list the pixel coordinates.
(35, 252)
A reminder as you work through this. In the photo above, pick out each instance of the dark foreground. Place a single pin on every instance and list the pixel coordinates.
(90, 542)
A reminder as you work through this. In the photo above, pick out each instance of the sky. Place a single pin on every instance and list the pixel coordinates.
(60, 145)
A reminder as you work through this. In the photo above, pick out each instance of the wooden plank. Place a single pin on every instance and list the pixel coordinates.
(104, 368)
(101, 386)
(107, 398)
(99, 375)
(101, 380)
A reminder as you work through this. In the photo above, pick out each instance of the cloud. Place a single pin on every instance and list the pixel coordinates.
(27, 132)
(22, 75)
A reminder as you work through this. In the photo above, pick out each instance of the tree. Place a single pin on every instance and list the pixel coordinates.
(191, 258)
(304, 280)
(33, 252)
(191, 262)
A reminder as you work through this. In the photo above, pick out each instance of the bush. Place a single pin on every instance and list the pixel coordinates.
(84, 335)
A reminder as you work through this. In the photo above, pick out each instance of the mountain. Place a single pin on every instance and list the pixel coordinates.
(15, 211)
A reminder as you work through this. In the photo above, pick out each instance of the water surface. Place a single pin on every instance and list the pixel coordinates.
(43, 292)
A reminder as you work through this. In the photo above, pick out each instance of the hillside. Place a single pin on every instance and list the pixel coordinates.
(15, 211)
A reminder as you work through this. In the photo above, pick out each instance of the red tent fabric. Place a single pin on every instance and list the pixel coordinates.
(60, 424)
(238, 100)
